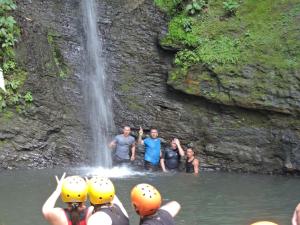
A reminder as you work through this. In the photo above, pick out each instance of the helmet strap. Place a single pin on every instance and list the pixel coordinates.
(75, 205)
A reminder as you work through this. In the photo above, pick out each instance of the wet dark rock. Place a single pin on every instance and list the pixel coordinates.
(53, 130)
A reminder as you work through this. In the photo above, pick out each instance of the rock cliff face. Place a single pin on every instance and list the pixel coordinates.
(53, 131)
(49, 133)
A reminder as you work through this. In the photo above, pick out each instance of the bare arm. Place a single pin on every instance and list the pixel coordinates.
(181, 152)
(295, 215)
(196, 166)
(172, 208)
(162, 165)
(49, 212)
(133, 152)
(140, 141)
(112, 144)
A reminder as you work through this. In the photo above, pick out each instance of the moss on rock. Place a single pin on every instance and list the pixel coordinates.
(251, 59)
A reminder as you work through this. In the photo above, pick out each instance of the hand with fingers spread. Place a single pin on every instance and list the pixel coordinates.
(141, 132)
(60, 182)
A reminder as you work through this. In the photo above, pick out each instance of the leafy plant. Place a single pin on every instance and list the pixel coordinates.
(169, 6)
(223, 50)
(9, 66)
(186, 58)
(15, 99)
(28, 97)
(195, 7)
(15, 77)
(14, 84)
(187, 26)
(6, 5)
(230, 7)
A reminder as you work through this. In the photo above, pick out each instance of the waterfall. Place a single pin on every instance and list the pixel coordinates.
(97, 98)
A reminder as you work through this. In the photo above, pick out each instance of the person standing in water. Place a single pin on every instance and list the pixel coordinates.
(108, 209)
(152, 149)
(191, 163)
(146, 201)
(171, 156)
(73, 191)
(123, 143)
(296, 216)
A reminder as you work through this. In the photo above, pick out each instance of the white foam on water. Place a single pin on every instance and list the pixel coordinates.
(114, 172)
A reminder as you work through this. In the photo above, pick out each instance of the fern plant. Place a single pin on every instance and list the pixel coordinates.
(195, 7)
(231, 7)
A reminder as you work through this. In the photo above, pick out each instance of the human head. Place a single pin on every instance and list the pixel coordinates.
(101, 190)
(74, 190)
(153, 133)
(145, 199)
(264, 223)
(190, 152)
(173, 144)
(126, 130)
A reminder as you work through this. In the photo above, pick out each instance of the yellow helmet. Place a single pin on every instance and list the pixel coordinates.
(101, 190)
(74, 189)
(264, 223)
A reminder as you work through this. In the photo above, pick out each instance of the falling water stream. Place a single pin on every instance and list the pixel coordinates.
(96, 96)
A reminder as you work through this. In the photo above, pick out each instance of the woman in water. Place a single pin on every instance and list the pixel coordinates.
(73, 191)
(191, 163)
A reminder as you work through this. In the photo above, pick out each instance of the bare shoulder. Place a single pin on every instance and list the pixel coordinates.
(196, 161)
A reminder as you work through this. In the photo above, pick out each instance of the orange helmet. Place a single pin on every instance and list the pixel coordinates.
(264, 223)
(145, 199)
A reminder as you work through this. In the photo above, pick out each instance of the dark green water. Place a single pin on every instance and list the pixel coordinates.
(210, 199)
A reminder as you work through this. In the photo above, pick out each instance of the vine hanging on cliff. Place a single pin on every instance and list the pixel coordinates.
(14, 76)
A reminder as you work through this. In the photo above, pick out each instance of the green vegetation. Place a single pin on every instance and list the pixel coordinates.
(230, 7)
(195, 7)
(228, 37)
(169, 6)
(14, 75)
(61, 66)
(211, 52)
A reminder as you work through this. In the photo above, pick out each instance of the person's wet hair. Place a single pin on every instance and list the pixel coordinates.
(75, 213)
(153, 128)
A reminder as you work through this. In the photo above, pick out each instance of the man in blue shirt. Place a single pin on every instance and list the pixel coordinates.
(152, 149)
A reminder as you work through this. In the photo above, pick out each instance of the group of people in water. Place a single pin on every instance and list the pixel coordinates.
(154, 158)
(106, 208)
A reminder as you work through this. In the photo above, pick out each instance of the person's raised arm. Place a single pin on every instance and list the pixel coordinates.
(196, 166)
(140, 141)
(172, 208)
(132, 158)
(177, 142)
(48, 209)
